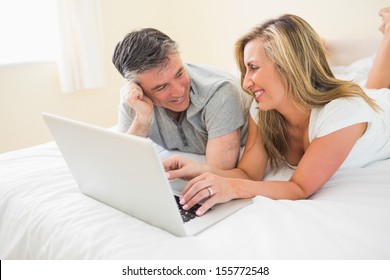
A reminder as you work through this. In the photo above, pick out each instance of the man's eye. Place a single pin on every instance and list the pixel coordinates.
(161, 88)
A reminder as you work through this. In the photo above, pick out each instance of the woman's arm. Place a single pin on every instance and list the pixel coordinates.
(321, 160)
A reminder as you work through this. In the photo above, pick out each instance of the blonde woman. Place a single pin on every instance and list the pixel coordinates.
(302, 116)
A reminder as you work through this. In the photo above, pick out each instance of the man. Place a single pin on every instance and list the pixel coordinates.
(185, 107)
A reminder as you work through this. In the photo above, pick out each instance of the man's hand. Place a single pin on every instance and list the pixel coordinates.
(142, 106)
(140, 103)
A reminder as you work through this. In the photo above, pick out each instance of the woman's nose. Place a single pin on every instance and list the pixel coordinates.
(247, 83)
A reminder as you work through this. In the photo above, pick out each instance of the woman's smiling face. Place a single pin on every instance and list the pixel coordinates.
(261, 77)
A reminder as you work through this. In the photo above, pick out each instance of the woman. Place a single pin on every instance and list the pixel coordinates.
(306, 118)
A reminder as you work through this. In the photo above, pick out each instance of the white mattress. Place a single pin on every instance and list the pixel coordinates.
(43, 215)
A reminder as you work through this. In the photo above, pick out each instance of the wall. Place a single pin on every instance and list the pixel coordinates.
(205, 30)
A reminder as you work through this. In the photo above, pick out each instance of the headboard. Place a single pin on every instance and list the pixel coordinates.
(346, 51)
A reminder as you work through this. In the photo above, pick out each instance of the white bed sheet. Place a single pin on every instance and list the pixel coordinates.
(43, 215)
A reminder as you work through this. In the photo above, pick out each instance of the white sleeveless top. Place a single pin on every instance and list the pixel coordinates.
(373, 145)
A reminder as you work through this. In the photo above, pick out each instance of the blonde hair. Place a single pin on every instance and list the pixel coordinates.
(299, 57)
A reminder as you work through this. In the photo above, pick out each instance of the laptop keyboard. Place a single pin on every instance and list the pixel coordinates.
(187, 215)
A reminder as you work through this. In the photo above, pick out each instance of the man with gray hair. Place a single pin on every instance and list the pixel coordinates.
(180, 106)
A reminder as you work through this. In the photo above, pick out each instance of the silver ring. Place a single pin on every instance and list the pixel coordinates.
(210, 191)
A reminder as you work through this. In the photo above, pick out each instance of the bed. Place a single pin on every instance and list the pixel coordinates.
(43, 215)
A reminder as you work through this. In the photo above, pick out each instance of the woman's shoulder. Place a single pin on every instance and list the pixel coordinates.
(343, 105)
(337, 114)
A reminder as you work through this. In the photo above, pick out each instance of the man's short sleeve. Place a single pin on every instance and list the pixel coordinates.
(225, 110)
(125, 114)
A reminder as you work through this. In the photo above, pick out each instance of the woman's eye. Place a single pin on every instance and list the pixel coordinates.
(252, 67)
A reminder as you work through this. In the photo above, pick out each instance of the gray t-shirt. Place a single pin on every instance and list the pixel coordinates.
(218, 106)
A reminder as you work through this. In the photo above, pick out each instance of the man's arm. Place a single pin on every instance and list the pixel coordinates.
(142, 106)
(223, 152)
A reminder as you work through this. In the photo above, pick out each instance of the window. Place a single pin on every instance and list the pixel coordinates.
(28, 31)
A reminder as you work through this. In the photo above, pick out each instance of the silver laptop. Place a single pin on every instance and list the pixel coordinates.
(126, 172)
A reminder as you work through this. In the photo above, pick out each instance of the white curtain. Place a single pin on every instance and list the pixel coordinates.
(81, 61)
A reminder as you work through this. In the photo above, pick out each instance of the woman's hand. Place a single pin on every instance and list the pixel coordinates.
(181, 167)
(209, 188)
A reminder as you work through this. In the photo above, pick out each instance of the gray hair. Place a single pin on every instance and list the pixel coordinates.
(143, 50)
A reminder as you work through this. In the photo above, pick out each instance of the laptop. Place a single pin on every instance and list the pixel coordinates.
(126, 173)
